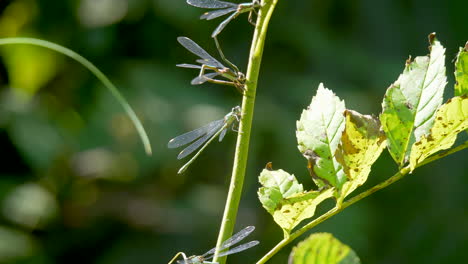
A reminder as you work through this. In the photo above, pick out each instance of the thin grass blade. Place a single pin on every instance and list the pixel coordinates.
(194, 134)
(217, 13)
(211, 4)
(194, 146)
(94, 70)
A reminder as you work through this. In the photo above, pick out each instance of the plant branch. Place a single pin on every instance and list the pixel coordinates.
(403, 172)
(243, 138)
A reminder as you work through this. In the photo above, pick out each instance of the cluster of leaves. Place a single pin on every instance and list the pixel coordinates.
(340, 145)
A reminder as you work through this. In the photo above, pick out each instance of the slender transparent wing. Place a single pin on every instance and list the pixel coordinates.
(194, 48)
(223, 24)
(223, 133)
(211, 63)
(194, 134)
(214, 4)
(232, 240)
(190, 66)
(195, 145)
(239, 248)
(217, 13)
(202, 79)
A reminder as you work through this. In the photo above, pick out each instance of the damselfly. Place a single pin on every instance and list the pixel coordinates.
(233, 75)
(203, 136)
(226, 244)
(224, 8)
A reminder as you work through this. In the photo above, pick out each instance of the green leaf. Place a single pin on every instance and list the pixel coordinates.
(318, 134)
(322, 248)
(286, 183)
(283, 197)
(277, 185)
(451, 119)
(410, 103)
(361, 144)
(461, 72)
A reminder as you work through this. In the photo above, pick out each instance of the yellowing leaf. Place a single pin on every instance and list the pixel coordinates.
(362, 143)
(292, 210)
(322, 248)
(410, 103)
(283, 197)
(318, 135)
(451, 119)
(461, 72)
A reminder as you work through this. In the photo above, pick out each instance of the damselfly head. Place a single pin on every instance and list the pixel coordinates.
(236, 110)
(241, 76)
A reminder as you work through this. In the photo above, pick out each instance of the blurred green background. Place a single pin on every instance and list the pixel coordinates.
(76, 186)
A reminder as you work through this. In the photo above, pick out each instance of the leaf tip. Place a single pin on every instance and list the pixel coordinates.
(432, 38)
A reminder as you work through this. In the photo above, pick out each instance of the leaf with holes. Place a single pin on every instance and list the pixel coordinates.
(361, 144)
(318, 134)
(322, 248)
(461, 72)
(410, 103)
(283, 197)
(451, 119)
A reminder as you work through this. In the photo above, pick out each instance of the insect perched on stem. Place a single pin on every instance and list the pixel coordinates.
(233, 75)
(224, 8)
(202, 259)
(204, 136)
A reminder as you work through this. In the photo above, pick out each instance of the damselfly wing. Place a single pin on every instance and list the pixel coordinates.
(203, 136)
(224, 8)
(207, 62)
(223, 249)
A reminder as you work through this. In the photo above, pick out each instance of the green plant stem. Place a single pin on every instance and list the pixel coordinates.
(404, 171)
(243, 138)
(93, 69)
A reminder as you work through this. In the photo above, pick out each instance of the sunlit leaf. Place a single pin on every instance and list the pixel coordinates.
(318, 134)
(362, 143)
(277, 185)
(322, 248)
(286, 183)
(283, 197)
(461, 72)
(410, 103)
(451, 119)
